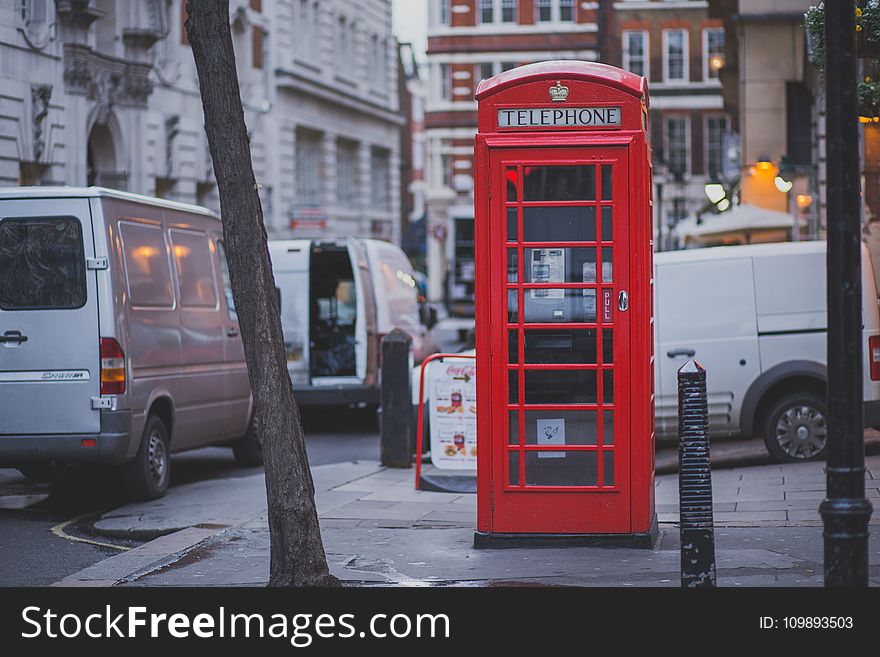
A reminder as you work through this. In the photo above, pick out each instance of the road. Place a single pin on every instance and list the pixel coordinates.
(45, 540)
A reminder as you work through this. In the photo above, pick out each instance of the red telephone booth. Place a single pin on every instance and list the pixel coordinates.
(564, 310)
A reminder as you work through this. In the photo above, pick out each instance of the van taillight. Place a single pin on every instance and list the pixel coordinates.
(874, 351)
(112, 367)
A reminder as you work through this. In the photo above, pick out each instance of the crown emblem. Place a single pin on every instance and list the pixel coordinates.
(558, 93)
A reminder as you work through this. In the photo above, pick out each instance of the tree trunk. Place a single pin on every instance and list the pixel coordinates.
(297, 553)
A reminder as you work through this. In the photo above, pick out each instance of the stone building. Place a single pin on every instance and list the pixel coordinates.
(105, 92)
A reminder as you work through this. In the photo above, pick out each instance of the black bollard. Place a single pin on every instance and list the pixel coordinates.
(695, 479)
(396, 431)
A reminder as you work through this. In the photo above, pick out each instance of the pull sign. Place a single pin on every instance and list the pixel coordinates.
(607, 306)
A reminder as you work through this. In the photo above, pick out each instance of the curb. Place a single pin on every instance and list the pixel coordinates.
(142, 560)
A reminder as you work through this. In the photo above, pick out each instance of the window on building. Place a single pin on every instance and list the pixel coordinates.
(675, 55)
(506, 66)
(374, 60)
(380, 165)
(566, 10)
(484, 71)
(33, 12)
(716, 127)
(346, 173)
(308, 168)
(443, 11)
(487, 11)
(301, 29)
(799, 123)
(509, 11)
(713, 52)
(446, 171)
(635, 51)
(257, 47)
(676, 144)
(342, 46)
(543, 11)
(445, 81)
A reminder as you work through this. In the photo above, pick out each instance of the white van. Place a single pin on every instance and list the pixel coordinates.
(755, 317)
(339, 298)
(119, 343)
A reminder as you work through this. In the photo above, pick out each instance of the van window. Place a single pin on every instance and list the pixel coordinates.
(146, 265)
(195, 269)
(227, 283)
(401, 287)
(42, 264)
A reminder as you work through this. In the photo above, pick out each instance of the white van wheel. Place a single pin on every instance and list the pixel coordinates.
(148, 475)
(248, 450)
(796, 428)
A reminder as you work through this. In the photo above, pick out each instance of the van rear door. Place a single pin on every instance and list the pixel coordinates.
(49, 338)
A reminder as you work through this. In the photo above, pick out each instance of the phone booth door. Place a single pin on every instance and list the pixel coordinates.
(561, 226)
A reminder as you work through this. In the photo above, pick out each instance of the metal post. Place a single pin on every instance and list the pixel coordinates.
(845, 511)
(396, 432)
(696, 525)
(660, 218)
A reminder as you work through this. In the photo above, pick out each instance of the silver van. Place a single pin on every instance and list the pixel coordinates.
(119, 342)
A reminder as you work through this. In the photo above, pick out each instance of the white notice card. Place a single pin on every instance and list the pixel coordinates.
(551, 432)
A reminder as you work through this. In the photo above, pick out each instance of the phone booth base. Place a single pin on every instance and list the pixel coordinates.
(564, 308)
(646, 540)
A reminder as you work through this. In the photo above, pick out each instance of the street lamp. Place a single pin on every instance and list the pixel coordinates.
(784, 182)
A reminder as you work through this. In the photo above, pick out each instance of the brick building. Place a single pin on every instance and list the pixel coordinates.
(680, 50)
(469, 40)
(673, 43)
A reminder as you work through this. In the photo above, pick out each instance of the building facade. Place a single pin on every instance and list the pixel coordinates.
(773, 96)
(470, 40)
(680, 49)
(104, 92)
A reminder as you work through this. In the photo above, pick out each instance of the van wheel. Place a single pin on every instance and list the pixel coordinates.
(248, 450)
(795, 429)
(148, 475)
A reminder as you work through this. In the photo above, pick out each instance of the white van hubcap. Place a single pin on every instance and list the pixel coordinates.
(158, 457)
(801, 432)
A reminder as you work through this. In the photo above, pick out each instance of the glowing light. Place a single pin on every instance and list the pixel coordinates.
(764, 165)
(181, 251)
(716, 62)
(804, 201)
(145, 252)
(715, 192)
(783, 185)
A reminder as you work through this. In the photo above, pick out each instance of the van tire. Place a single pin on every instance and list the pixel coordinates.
(148, 475)
(248, 450)
(795, 428)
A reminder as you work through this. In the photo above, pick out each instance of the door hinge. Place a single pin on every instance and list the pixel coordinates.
(104, 403)
(492, 496)
(96, 263)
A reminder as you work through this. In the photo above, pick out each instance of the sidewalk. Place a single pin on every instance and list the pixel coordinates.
(379, 531)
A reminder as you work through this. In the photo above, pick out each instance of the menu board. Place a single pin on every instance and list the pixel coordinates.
(452, 395)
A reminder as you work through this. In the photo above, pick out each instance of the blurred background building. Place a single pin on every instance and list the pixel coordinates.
(105, 92)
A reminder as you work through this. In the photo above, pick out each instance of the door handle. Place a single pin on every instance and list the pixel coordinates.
(672, 353)
(13, 336)
(623, 300)
(231, 333)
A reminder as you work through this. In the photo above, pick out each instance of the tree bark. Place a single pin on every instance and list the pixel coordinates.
(297, 553)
